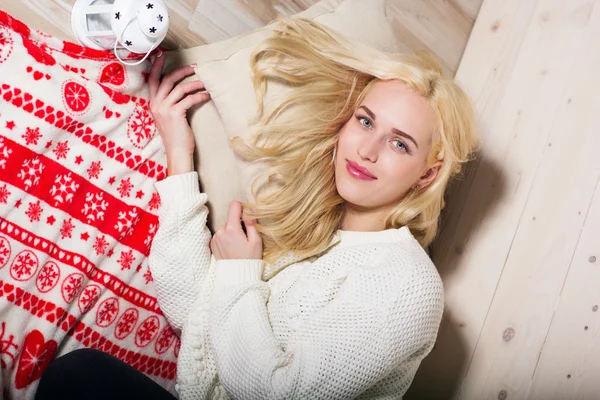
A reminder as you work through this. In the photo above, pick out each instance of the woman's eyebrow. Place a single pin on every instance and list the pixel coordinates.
(395, 130)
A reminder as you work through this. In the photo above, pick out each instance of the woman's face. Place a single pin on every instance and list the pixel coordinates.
(389, 135)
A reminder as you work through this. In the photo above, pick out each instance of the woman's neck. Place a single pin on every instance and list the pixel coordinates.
(363, 220)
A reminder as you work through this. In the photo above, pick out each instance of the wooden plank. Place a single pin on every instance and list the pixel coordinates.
(216, 20)
(54, 17)
(441, 27)
(548, 228)
(516, 68)
(51, 17)
(570, 360)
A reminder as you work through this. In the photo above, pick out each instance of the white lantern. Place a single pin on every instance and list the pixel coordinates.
(136, 25)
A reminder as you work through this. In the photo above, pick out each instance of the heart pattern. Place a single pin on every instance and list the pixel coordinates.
(35, 357)
(70, 110)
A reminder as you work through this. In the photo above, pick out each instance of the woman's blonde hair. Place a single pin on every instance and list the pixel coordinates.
(327, 76)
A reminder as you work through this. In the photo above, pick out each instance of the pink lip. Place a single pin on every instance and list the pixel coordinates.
(359, 172)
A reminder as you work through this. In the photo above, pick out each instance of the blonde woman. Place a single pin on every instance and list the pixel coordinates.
(320, 288)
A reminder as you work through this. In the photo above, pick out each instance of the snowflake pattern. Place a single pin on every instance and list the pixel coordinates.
(31, 136)
(66, 229)
(126, 222)
(94, 207)
(94, 169)
(126, 323)
(126, 259)
(61, 149)
(148, 276)
(4, 193)
(64, 189)
(89, 296)
(107, 312)
(34, 211)
(5, 251)
(140, 126)
(48, 277)
(71, 286)
(76, 97)
(24, 265)
(147, 331)
(8, 348)
(5, 152)
(100, 245)
(151, 232)
(125, 187)
(165, 340)
(154, 202)
(30, 173)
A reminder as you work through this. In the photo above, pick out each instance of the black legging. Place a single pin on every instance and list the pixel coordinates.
(93, 374)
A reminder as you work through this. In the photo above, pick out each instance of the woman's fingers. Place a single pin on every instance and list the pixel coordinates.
(191, 100)
(251, 231)
(180, 90)
(154, 77)
(169, 81)
(235, 216)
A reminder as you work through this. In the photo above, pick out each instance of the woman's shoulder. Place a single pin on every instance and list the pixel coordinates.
(397, 260)
(385, 271)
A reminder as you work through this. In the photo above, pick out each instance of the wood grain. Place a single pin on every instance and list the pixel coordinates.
(520, 229)
(441, 26)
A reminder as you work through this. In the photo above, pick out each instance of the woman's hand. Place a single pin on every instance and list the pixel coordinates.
(169, 104)
(230, 241)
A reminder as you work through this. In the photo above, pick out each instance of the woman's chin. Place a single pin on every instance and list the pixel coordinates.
(359, 196)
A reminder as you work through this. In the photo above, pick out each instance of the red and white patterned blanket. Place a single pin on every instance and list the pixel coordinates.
(78, 160)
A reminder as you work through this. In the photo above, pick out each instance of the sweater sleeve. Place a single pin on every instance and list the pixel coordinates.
(180, 253)
(338, 353)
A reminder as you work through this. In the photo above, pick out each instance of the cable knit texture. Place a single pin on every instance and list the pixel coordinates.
(355, 322)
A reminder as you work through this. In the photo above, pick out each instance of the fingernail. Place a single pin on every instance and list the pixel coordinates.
(193, 65)
(160, 53)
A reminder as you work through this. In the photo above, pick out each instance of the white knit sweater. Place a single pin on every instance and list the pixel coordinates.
(353, 323)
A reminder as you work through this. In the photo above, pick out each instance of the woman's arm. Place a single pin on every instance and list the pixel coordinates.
(340, 352)
(180, 253)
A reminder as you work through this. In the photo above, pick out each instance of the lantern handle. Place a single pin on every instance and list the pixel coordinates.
(119, 37)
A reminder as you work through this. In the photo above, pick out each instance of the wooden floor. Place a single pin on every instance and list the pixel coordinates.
(519, 246)
(441, 26)
(520, 251)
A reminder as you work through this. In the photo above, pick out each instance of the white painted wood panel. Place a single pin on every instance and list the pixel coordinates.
(512, 226)
(441, 26)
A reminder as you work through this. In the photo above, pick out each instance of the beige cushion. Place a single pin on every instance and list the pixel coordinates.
(224, 68)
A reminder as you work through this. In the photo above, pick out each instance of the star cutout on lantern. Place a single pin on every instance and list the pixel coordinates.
(51, 220)
(153, 30)
(18, 203)
(139, 194)
(128, 43)
(10, 125)
(78, 160)
(85, 236)
(48, 144)
(159, 18)
(111, 180)
(118, 15)
(149, 6)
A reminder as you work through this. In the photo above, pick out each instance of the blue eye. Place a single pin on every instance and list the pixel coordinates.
(403, 145)
(360, 119)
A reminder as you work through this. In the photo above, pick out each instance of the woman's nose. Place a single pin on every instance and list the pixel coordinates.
(369, 148)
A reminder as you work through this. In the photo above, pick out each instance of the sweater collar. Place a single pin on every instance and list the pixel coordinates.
(350, 238)
(341, 239)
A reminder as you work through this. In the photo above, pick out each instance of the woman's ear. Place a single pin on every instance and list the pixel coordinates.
(429, 175)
